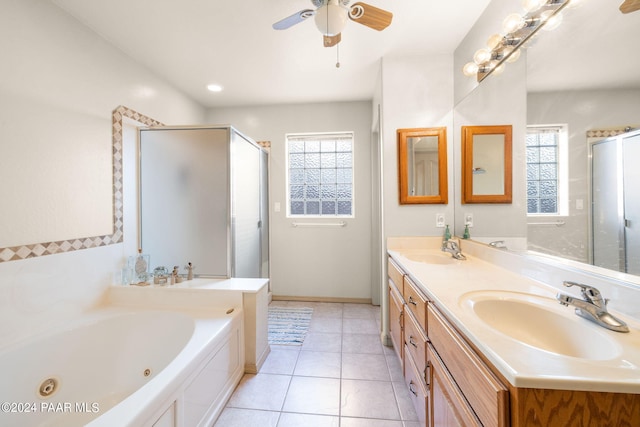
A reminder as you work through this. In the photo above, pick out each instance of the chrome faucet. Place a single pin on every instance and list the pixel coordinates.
(593, 307)
(498, 244)
(453, 248)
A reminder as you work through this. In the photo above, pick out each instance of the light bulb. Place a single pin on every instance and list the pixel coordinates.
(331, 19)
(512, 23)
(481, 56)
(533, 5)
(494, 41)
(470, 69)
(551, 21)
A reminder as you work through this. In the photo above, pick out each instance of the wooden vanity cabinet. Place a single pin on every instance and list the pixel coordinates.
(452, 384)
(436, 366)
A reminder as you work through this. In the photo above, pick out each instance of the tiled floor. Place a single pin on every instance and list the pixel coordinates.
(342, 376)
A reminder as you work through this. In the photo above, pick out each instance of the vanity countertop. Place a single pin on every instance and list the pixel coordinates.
(610, 363)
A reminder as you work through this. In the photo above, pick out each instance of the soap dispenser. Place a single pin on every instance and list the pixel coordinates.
(447, 234)
(466, 234)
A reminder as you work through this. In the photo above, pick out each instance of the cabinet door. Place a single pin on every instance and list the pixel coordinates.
(417, 391)
(396, 320)
(447, 405)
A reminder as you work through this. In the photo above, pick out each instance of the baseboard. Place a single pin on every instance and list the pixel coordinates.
(322, 299)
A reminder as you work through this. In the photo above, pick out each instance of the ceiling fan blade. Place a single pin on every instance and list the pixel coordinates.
(294, 19)
(630, 6)
(370, 16)
(330, 41)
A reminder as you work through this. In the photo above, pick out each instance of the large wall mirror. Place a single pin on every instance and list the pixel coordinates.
(422, 165)
(486, 164)
(563, 87)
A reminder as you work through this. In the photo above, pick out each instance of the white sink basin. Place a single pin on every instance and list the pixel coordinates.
(538, 322)
(430, 257)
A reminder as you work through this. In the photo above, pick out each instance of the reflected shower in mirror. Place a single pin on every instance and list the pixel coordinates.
(422, 163)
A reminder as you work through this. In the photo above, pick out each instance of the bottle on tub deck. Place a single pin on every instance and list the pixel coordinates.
(140, 266)
(189, 268)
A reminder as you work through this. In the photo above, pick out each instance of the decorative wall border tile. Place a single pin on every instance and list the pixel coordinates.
(15, 253)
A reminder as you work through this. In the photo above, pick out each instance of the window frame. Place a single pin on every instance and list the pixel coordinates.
(562, 171)
(305, 136)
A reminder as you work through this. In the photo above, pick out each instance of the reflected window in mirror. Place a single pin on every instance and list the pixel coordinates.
(547, 183)
(486, 164)
(422, 165)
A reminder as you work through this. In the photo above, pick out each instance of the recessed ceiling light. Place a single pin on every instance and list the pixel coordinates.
(214, 88)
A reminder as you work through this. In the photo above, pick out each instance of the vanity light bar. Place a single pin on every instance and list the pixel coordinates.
(517, 29)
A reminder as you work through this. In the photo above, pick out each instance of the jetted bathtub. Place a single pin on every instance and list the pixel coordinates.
(125, 367)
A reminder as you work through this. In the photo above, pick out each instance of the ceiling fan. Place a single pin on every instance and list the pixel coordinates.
(331, 18)
(630, 6)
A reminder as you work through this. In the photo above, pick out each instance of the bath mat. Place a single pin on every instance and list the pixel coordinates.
(288, 325)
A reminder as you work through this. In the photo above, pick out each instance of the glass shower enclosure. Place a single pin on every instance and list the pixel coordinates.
(615, 202)
(202, 193)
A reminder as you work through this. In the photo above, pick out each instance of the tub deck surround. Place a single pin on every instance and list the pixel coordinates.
(247, 294)
(452, 285)
(122, 366)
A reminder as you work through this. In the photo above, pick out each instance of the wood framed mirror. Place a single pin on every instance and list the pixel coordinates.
(486, 164)
(422, 165)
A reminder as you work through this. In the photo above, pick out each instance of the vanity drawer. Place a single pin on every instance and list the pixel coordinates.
(484, 392)
(416, 302)
(416, 342)
(395, 274)
(417, 391)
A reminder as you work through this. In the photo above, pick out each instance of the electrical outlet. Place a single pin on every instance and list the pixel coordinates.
(468, 219)
(440, 220)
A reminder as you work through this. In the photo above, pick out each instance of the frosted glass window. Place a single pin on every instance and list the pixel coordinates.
(543, 153)
(320, 174)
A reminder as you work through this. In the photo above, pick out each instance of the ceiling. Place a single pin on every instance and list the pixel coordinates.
(192, 43)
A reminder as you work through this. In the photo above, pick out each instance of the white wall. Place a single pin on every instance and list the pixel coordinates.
(313, 262)
(55, 63)
(581, 111)
(416, 92)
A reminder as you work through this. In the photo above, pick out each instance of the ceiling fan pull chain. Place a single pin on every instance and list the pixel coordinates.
(337, 56)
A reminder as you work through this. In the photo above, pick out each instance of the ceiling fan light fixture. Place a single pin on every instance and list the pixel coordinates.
(331, 18)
